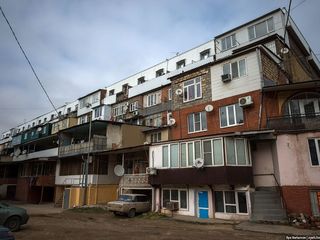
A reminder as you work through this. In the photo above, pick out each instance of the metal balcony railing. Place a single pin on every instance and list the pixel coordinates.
(97, 143)
(295, 122)
(134, 180)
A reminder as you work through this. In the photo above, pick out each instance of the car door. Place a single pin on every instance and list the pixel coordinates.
(4, 213)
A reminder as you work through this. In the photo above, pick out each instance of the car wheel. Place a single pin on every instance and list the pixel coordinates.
(131, 213)
(13, 223)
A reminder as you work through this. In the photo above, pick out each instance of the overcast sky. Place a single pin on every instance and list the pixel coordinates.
(77, 46)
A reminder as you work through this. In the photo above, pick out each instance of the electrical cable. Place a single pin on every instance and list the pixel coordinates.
(26, 57)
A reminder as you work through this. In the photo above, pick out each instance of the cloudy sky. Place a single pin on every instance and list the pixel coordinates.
(77, 46)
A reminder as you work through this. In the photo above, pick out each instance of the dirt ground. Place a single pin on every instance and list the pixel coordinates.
(103, 225)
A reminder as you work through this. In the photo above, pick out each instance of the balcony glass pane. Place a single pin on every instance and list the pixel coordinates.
(190, 154)
(207, 152)
(165, 160)
(231, 158)
(217, 149)
(242, 201)
(270, 24)
(239, 113)
(261, 29)
(183, 160)
(174, 155)
(219, 201)
(242, 67)
(241, 152)
(251, 32)
(234, 67)
(223, 116)
(230, 197)
(174, 195)
(166, 197)
(231, 116)
(313, 152)
(197, 149)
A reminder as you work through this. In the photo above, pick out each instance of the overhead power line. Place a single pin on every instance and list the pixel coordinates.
(26, 57)
(298, 4)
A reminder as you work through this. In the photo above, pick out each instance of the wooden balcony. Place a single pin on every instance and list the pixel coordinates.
(295, 122)
(97, 144)
(135, 180)
(230, 175)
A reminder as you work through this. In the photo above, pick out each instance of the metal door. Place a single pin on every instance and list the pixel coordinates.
(203, 206)
(66, 196)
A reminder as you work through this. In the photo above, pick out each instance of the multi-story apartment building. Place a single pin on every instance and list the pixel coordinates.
(228, 129)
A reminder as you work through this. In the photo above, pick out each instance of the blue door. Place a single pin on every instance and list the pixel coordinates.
(203, 206)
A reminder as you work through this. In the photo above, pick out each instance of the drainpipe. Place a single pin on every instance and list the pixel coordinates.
(261, 85)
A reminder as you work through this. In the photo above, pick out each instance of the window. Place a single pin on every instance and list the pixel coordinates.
(83, 119)
(98, 112)
(68, 110)
(52, 116)
(154, 120)
(303, 104)
(95, 97)
(237, 151)
(33, 124)
(160, 72)
(205, 54)
(39, 122)
(175, 195)
(120, 110)
(133, 106)
(28, 126)
(231, 202)
(192, 89)
(231, 115)
(111, 92)
(45, 119)
(22, 128)
(261, 29)
(25, 136)
(235, 69)
(197, 122)
(153, 99)
(314, 150)
(181, 64)
(170, 155)
(315, 202)
(228, 42)
(155, 137)
(141, 80)
(169, 94)
(212, 152)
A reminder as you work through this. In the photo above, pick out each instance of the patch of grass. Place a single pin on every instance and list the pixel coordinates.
(88, 210)
(152, 215)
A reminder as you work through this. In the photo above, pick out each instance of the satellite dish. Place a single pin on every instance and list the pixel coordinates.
(209, 108)
(24, 151)
(39, 129)
(171, 122)
(284, 50)
(17, 152)
(199, 163)
(120, 120)
(118, 170)
(179, 91)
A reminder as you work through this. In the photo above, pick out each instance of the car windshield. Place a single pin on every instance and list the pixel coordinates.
(125, 198)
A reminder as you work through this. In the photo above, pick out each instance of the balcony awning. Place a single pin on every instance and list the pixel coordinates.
(126, 150)
(293, 86)
(97, 127)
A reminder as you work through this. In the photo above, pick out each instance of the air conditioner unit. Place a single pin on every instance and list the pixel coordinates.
(226, 77)
(151, 171)
(245, 101)
(172, 206)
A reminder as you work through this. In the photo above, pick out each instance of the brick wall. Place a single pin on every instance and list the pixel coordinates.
(251, 117)
(297, 199)
(205, 84)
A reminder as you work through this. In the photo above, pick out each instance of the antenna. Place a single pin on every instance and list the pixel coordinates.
(118, 170)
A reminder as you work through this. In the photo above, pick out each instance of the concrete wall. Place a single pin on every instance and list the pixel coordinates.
(294, 160)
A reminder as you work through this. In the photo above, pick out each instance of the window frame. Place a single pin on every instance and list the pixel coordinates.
(179, 199)
(238, 68)
(247, 152)
(227, 115)
(205, 54)
(201, 114)
(133, 106)
(236, 204)
(317, 145)
(181, 64)
(265, 21)
(195, 84)
(224, 42)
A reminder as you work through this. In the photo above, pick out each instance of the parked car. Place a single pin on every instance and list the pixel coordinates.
(5, 234)
(12, 217)
(130, 204)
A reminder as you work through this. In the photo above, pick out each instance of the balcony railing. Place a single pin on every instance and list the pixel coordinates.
(295, 122)
(134, 180)
(97, 143)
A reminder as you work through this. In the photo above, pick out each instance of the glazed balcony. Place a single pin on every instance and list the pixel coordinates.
(295, 123)
(97, 144)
